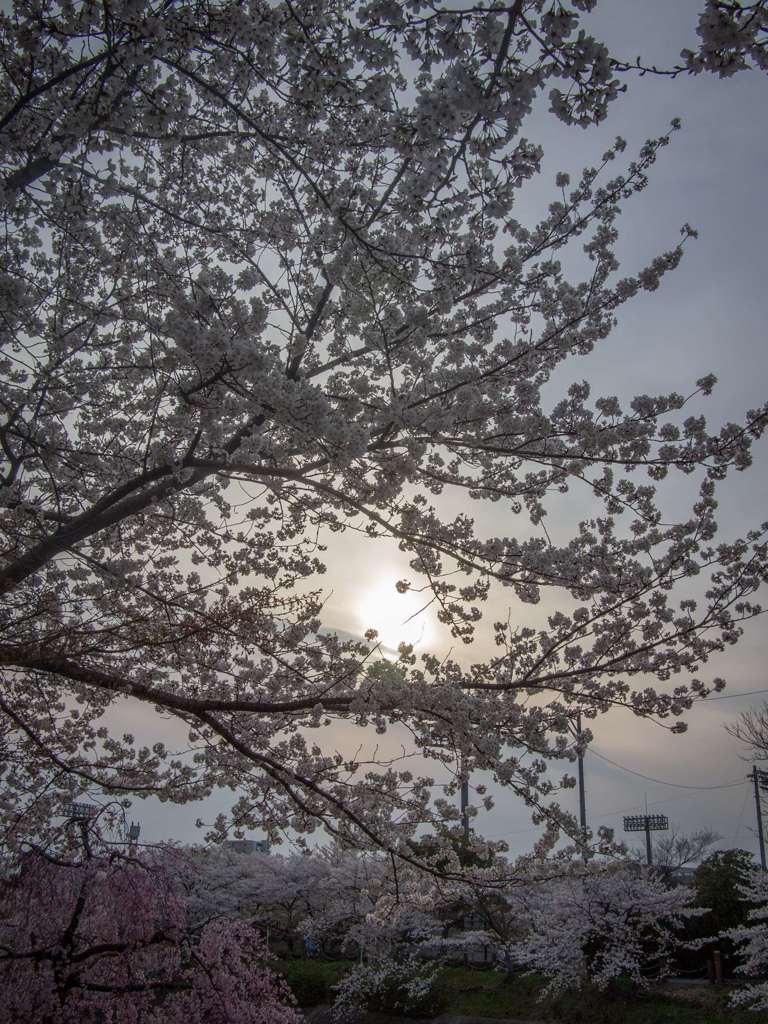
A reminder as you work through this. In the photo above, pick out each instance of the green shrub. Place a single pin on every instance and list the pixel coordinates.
(311, 980)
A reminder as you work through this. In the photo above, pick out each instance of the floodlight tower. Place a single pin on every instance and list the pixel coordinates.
(646, 823)
(82, 814)
(134, 831)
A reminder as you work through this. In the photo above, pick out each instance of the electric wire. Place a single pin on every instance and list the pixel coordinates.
(730, 696)
(601, 814)
(662, 781)
(638, 807)
(614, 813)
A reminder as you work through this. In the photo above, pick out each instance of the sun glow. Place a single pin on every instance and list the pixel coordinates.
(397, 618)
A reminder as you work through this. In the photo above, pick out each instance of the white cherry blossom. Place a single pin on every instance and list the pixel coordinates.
(262, 279)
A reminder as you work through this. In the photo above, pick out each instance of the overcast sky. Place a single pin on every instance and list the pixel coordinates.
(708, 316)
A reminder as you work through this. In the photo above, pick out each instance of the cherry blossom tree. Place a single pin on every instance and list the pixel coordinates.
(262, 280)
(107, 939)
(575, 924)
(599, 924)
(394, 985)
(753, 941)
(452, 913)
(325, 894)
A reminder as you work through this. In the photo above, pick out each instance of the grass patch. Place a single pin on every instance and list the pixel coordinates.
(488, 994)
(311, 980)
(468, 992)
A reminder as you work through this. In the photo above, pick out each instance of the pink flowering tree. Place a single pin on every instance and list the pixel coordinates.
(107, 939)
(262, 279)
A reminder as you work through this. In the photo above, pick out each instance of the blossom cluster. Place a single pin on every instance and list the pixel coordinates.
(403, 986)
(752, 942)
(108, 939)
(264, 278)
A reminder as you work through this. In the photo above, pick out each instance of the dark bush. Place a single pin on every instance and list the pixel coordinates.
(311, 980)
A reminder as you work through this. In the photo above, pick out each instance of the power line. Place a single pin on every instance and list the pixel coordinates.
(648, 778)
(730, 696)
(636, 807)
(599, 815)
(662, 782)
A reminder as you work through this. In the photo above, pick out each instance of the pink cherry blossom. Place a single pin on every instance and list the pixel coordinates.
(108, 939)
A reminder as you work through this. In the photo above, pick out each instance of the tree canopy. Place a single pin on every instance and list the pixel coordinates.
(108, 938)
(262, 279)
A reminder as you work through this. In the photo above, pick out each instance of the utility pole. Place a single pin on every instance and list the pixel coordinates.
(760, 780)
(582, 794)
(463, 790)
(464, 799)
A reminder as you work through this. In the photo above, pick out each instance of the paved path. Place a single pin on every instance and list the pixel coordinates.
(322, 1015)
(480, 1020)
